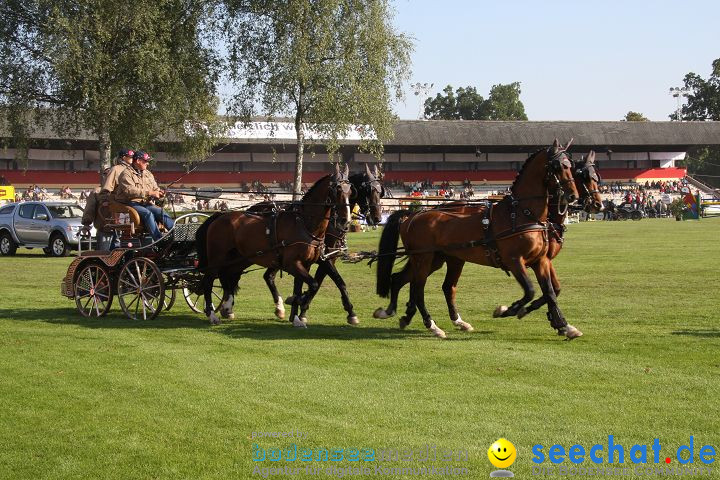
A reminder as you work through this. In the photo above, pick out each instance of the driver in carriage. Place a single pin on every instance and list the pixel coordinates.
(137, 188)
(92, 214)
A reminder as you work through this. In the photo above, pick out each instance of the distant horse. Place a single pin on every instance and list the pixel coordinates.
(511, 235)
(291, 239)
(367, 191)
(586, 180)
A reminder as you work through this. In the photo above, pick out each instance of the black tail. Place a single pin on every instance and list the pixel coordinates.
(387, 250)
(201, 240)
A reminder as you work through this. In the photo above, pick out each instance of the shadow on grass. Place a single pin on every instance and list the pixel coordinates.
(270, 329)
(706, 333)
(275, 330)
(114, 319)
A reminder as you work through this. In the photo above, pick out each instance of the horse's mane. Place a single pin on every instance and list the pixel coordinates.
(314, 187)
(522, 169)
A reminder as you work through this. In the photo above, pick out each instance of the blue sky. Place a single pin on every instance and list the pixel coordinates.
(576, 60)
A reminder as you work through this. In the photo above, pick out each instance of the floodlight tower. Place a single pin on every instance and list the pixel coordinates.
(422, 90)
(679, 92)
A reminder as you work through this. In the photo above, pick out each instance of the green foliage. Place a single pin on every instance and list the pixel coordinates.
(703, 103)
(677, 207)
(635, 117)
(503, 103)
(129, 72)
(704, 162)
(328, 64)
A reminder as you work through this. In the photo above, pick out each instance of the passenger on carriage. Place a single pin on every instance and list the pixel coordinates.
(137, 188)
(92, 214)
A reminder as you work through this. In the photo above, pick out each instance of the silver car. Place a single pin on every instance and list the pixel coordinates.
(52, 226)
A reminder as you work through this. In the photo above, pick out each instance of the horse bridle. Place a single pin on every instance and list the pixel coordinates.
(557, 161)
(367, 187)
(346, 186)
(587, 173)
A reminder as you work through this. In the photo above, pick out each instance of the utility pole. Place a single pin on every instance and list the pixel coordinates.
(422, 90)
(678, 93)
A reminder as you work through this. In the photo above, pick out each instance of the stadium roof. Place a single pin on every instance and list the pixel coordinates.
(535, 134)
(464, 135)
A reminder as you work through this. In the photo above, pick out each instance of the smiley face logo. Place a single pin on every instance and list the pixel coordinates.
(502, 453)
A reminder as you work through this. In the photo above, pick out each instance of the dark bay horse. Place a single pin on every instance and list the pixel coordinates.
(512, 234)
(367, 191)
(291, 239)
(586, 180)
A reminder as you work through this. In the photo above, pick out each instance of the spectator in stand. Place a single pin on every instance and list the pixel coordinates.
(3, 181)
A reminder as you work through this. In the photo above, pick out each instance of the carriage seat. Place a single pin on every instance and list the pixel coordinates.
(124, 217)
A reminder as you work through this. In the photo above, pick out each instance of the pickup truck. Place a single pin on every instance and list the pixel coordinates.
(52, 226)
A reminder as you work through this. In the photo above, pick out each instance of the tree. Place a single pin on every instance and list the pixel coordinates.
(634, 117)
(128, 71)
(703, 103)
(329, 64)
(504, 103)
(466, 104)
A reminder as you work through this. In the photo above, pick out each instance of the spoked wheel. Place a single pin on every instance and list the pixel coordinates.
(141, 289)
(196, 301)
(169, 299)
(93, 291)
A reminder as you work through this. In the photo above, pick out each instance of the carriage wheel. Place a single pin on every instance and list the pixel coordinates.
(196, 301)
(141, 289)
(169, 299)
(93, 291)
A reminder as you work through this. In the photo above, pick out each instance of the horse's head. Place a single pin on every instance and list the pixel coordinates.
(587, 179)
(560, 172)
(339, 196)
(368, 189)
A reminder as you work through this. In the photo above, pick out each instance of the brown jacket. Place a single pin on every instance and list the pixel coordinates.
(111, 176)
(135, 186)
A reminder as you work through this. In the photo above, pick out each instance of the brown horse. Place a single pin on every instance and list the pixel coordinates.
(367, 191)
(511, 234)
(586, 180)
(291, 239)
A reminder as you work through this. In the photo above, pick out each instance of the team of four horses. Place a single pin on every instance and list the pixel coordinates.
(524, 229)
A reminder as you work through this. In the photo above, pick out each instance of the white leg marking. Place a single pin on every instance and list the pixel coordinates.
(436, 330)
(463, 325)
(298, 323)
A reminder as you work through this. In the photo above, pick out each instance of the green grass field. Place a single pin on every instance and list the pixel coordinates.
(176, 398)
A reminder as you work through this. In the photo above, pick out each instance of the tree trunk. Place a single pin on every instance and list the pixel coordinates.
(104, 146)
(297, 186)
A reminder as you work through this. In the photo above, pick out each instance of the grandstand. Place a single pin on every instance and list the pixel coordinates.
(486, 154)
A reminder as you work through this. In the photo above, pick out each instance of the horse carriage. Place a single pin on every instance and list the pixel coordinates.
(143, 277)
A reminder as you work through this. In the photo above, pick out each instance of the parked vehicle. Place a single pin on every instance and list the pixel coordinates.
(52, 226)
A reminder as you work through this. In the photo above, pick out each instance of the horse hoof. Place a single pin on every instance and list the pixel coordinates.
(228, 315)
(297, 323)
(438, 332)
(499, 311)
(304, 320)
(214, 320)
(290, 300)
(522, 312)
(404, 322)
(280, 314)
(381, 313)
(353, 320)
(572, 332)
(463, 325)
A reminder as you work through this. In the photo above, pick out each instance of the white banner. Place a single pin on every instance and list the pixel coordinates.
(286, 131)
